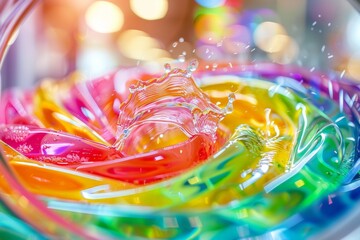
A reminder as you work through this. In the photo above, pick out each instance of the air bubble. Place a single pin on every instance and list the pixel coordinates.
(16, 133)
(181, 39)
(25, 148)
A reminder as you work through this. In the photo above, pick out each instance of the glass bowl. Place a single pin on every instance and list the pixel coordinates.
(303, 54)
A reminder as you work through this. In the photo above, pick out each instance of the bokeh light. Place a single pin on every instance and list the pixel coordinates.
(269, 36)
(238, 40)
(210, 27)
(150, 10)
(353, 37)
(104, 17)
(136, 44)
(285, 49)
(353, 67)
(96, 61)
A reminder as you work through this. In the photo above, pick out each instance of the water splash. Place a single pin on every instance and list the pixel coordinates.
(173, 104)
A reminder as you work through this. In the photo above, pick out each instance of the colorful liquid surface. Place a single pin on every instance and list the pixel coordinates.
(241, 151)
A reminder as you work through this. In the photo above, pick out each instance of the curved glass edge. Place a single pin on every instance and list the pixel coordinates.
(29, 217)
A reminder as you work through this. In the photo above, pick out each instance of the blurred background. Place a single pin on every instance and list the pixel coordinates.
(95, 37)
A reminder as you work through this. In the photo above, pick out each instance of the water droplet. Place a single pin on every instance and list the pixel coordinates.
(246, 172)
(230, 106)
(323, 48)
(342, 74)
(174, 45)
(330, 56)
(137, 87)
(167, 67)
(193, 65)
(319, 15)
(314, 23)
(132, 89)
(181, 58)
(329, 24)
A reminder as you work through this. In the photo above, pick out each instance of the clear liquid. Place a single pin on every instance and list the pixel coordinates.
(234, 145)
